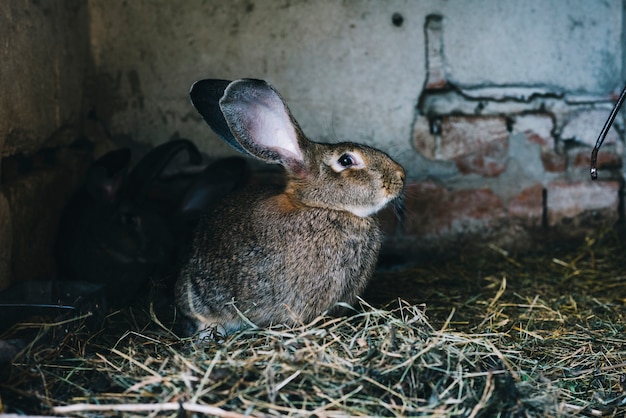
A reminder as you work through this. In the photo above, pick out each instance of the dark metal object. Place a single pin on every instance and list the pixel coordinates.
(604, 132)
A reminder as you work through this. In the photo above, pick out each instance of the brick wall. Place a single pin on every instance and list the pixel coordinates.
(522, 157)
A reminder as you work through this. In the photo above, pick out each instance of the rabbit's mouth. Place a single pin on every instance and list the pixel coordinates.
(389, 191)
(363, 212)
(369, 210)
(362, 196)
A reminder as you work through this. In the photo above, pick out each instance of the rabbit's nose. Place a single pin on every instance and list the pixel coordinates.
(400, 173)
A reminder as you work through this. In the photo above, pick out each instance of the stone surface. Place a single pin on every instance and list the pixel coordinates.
(33, 227)
(477, 144)
(489, 161)
(389, 219)
(434, 211)
(423, 140)
(436, 73)
(553, 162)
(606, 158)
(528, 206)
(6, 242)
(585, 127)
(45, 63)
(566, 201)
(36, 198)
(537, 127)
(463, 135)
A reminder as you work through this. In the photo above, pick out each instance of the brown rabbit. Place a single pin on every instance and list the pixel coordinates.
(283, 256)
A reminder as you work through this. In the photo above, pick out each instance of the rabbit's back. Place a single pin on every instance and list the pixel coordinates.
(280, 262)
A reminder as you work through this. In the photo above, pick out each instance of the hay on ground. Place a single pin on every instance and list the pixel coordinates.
(498, 335)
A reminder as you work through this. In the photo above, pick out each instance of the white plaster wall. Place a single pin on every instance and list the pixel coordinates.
(346, 71)
(574, 45)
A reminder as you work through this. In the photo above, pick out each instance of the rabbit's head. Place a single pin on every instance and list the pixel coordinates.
(128, 225)
(252, 117)
(109, 232)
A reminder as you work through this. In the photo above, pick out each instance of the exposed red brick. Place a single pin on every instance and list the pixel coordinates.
(423, 140)
(435, 74)
(527, 206)
(606, 159)
(536, 139)
(462, 135)
(490, 161)
(476, 203)
(553, 162)
(6, 242)
(537, 127)
(567, 200)
(388, 219)
(432, 210)
(423, 208)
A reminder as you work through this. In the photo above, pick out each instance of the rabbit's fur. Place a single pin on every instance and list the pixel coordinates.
(106, 237)
(114, 232)
(283, 255)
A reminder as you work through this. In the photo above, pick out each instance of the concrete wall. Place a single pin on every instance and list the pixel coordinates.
(45, 61)
(345, 69)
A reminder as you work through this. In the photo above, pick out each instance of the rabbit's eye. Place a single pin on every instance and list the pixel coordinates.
(346, 160)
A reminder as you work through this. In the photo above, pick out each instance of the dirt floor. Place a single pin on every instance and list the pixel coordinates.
(474, 334)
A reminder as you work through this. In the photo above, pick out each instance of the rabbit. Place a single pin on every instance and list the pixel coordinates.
(201, 191)
(282, 255)
(184, 196)
(208, 187)
(110, 233)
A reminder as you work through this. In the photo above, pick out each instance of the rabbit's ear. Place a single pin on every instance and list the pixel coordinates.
(106, 175)
(215, 182)
(154, 162)
(262, 123)
(205, 96)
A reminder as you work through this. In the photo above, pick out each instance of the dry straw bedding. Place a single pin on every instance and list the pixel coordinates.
(491, 335)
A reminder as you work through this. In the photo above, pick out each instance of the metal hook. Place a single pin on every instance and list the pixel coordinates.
(604, 132)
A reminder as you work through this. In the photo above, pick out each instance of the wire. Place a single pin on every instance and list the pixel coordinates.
(604, 132)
